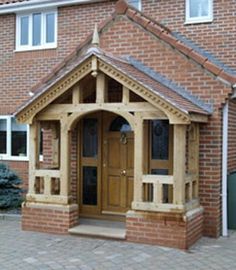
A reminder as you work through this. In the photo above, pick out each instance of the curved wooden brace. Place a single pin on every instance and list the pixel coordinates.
(75, 117)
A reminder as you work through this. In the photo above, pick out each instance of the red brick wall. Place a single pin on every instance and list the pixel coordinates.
(164, 229)
(215, 37)
(232, 137)
(44, 219)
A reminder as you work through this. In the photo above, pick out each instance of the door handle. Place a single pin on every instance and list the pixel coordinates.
(123, 173)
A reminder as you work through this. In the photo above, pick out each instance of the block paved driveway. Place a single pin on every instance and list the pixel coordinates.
(31, 250)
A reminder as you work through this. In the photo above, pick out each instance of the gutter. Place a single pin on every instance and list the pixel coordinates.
(43, 4)
(224, 169)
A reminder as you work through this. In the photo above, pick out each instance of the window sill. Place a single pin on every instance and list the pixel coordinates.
(35, 49)
(13, 158)
(199, 21)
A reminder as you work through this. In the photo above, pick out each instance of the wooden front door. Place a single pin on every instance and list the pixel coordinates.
(106, 165)
(118, 165)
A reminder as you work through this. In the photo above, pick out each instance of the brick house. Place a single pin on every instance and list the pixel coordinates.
(121, 112)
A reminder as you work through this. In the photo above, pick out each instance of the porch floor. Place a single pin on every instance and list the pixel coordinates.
(100, 228)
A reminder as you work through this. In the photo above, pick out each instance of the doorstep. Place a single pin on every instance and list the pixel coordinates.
(99, 228)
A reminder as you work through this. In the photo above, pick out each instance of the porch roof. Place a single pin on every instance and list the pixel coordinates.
(183, 103)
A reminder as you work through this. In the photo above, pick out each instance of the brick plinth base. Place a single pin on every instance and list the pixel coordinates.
(49, 218)
(166, 229)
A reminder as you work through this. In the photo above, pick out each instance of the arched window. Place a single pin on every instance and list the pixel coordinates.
(120, 124)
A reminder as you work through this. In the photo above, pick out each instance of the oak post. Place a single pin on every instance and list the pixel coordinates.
(179, 163)
(138, 158)
(77, 94)
(100, 88)
(64, 159)
(33, 155)
(125, 95)
(193, 155)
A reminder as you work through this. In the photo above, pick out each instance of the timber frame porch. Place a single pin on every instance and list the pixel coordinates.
(52, 186)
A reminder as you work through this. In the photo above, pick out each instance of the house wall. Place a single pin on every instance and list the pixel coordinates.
(215, 37)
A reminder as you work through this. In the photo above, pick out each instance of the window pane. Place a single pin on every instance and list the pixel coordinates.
(199, 8)
(36, 29)
(90, 138)
(120, 124)
(24, 30)
(50, 28)
(134, 3)
(3, 136)
(18, 139)
(89, 185)
(160, 139)
(160, 171)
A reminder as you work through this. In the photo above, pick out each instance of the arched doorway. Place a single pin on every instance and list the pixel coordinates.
(106, 166)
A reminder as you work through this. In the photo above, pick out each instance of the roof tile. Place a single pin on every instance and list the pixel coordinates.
(154, 29)
(197, 57)
(138, 18)
(168, 38)
(212, 67)
(121, 7)
(6, 2)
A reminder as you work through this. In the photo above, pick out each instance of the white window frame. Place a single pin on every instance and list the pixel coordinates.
(200, 19)
(8, 155)
(139, 4)
(30, 46)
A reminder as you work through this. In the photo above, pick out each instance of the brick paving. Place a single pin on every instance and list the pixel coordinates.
(37, 251)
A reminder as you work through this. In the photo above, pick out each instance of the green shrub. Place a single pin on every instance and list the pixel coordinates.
(10, 192)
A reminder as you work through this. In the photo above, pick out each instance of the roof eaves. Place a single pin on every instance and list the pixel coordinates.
(27, 5)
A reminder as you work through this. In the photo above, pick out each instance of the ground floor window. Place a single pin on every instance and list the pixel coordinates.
(13, 139)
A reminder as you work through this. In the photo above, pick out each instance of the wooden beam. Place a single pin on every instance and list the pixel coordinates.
(162, 179)
(179, 163)
(33, 154)
(125, 95)
(153, 115)
(47, 199)
(158, 207)
(200, 118)
(138, 157)
(50, 173)
(64, 159)
(47, 185)
(55, 144)
(60, 109)
(193, 154)
(100, 88)
(77, 94)
(44, 116)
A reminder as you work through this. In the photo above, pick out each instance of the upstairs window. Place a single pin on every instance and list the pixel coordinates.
(135, 3)
(36, 31)
(198, 11)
